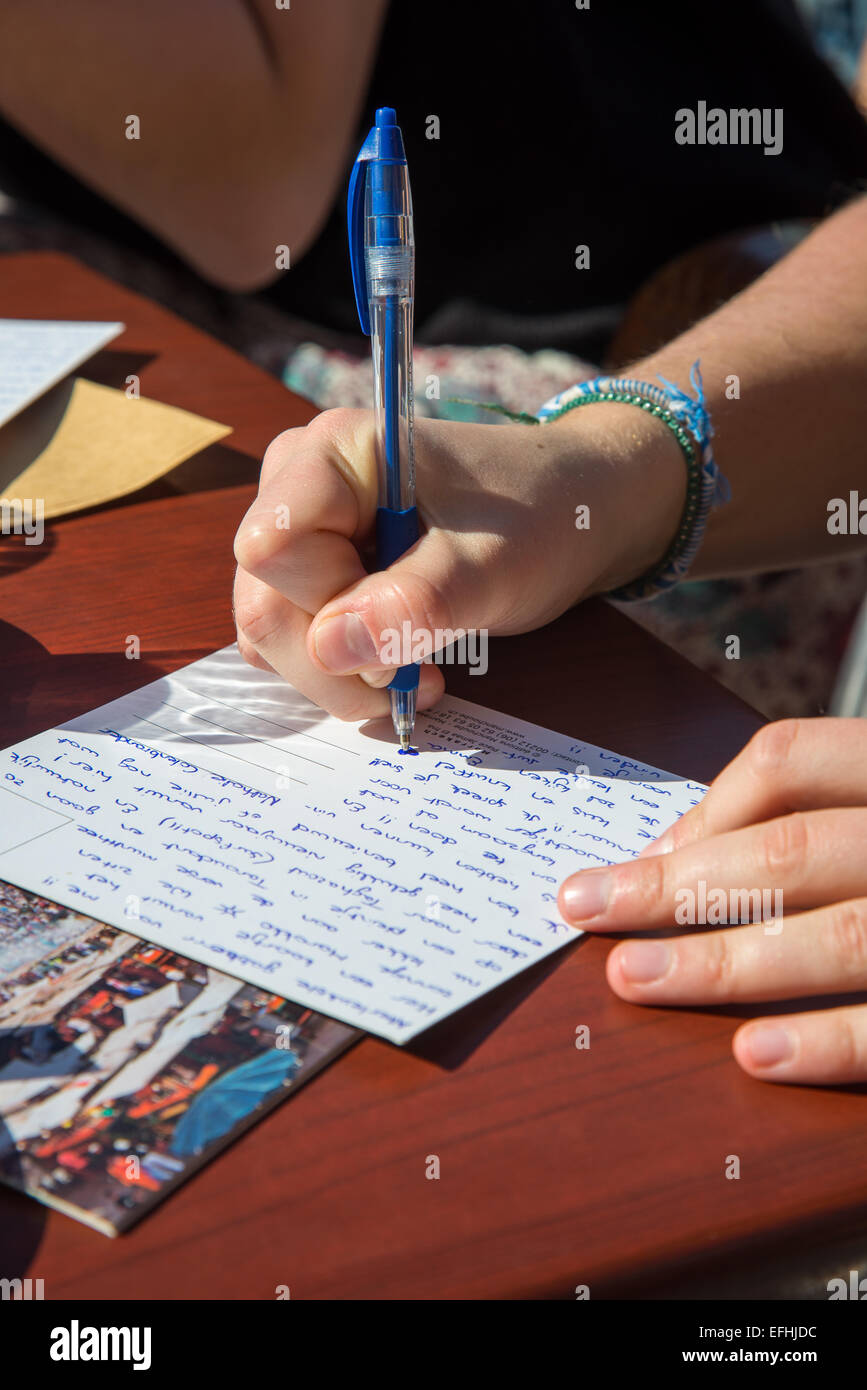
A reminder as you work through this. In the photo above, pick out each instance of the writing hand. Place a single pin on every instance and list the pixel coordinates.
(500, 549)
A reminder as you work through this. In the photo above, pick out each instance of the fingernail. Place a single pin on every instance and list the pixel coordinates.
(768, 1044)
(377, 679)
(587, 895)
(641, 962)
(343, 643)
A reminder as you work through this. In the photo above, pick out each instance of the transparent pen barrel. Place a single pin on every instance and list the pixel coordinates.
(391, 340)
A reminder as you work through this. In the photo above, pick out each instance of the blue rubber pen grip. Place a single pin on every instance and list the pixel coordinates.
(396, 532)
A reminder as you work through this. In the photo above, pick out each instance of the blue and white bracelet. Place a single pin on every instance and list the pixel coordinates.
(688, 419)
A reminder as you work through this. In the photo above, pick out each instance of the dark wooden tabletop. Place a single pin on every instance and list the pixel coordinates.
(559, 1166)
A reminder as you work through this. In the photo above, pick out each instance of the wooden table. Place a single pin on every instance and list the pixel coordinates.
(559, 1166)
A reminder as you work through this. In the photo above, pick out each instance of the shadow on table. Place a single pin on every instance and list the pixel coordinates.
(39, 689)
(29, 432)
(217, 466)
(18, 552)
(111, 367)
(449, 1043)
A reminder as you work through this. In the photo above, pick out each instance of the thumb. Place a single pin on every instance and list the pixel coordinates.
(423, 602)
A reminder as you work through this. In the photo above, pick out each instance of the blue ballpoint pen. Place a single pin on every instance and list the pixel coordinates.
(382, 255)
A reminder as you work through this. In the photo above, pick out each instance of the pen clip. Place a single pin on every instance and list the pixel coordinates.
(355, 219)
(384, 143)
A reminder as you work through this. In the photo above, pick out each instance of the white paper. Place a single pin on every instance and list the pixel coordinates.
(252, 832)
(37, 353)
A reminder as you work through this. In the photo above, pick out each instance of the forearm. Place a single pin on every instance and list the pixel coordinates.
(241, 139)
(794, 436)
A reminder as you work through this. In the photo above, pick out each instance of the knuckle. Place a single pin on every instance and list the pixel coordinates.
(784, 845)
(841, 1042)
(257, 616)
(648, 886)
(413, 599)
(688, 828)
(770, 749)
(719, 962)
(257, 541)
(844, 936)
(341, 431)
(278, 450)
(336, 422)
(344, 438)
(431, 604)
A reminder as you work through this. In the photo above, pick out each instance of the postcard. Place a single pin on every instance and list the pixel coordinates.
(124, 1066)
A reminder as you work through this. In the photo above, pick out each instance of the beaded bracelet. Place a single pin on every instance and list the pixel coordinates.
(689, 422)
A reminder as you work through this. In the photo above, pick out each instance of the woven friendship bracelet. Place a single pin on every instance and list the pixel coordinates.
(689, 422)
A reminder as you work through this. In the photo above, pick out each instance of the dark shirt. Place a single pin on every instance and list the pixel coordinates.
(556, 130)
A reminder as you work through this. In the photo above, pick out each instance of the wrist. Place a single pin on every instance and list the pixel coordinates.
(639, 484)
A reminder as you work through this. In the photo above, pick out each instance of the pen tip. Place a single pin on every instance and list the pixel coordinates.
(404, 739)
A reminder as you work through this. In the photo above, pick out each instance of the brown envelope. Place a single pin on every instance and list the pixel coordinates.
(103, 445)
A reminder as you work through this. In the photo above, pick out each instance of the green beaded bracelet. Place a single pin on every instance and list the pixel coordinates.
(687, 418)
(648, 582)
